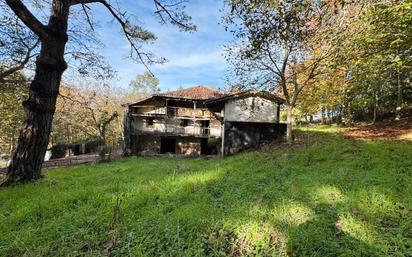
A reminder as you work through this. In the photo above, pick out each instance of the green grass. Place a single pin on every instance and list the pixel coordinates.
(329, 197)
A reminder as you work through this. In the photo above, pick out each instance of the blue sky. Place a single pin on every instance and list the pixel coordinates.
(194, 58)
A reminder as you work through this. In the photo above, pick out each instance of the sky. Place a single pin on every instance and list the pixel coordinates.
(193, 58)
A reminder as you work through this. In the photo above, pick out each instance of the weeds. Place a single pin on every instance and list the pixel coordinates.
(329, 197)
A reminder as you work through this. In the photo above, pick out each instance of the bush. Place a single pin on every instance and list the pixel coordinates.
(105, 153)
(93, 146)
(58, 151)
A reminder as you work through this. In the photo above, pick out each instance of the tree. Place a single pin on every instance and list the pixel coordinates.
(12, 95)
(278, 45)
(19, 47)
(368, 76)
(145, 83)
(82, 114)
(50, 64)
(98, 114)
(326, 94)
(386, 48)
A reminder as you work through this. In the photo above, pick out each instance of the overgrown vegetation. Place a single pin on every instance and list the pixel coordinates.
(347, 60)
(11, 113)
(327, 197)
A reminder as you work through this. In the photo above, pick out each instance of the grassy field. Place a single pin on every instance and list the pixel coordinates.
(328, 197)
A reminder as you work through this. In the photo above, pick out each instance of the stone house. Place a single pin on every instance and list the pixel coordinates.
(202, 121)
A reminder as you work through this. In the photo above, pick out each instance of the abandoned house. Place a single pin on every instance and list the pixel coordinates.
(202, 121)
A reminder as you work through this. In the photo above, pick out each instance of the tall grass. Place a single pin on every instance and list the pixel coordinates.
(328, 197)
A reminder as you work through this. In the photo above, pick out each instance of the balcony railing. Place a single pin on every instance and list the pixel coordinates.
(170, 111)
(174, 129)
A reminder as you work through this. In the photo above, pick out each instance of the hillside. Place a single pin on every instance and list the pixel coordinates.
(327, 196)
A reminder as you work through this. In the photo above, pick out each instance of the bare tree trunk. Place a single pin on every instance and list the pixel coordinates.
(375, 108)
(289, 123)
(322, 117)
(346, 110)
(329, 117)
(398, 99)
(12, 141)
(39, 108)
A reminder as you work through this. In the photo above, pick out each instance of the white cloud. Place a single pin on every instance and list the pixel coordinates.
(214, 59)
(194, 58)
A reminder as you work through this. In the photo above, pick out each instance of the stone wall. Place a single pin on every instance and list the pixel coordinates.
(148, 144)
(240, 136)
(190, 147)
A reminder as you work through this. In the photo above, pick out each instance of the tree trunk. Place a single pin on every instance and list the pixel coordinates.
(12, 141)
(289, 122)
(322, 117)
(39, 108)
(346, 110)
(329, 117)
(375, 108)
(399, 98)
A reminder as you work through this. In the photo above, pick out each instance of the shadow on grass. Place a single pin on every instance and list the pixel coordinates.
(325, 197)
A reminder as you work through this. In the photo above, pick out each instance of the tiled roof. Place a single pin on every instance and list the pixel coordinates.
(196, 93)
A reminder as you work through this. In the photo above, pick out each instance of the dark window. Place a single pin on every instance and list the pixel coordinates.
(184, 123)
(171, 111)
(149, 122)
(205, 127)
(167, 145)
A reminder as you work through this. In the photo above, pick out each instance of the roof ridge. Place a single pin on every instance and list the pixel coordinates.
(200, 92)
(188, 88)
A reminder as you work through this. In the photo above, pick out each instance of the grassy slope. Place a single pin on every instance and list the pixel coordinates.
(330, 197)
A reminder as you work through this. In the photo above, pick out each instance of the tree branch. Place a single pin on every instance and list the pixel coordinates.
(28, 18)
(124, 23)
(89, 21)
(127, 33)
(174, 20)
(22, 63)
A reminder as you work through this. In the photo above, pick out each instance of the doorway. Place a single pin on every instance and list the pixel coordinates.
(167, 145)
(204, 149)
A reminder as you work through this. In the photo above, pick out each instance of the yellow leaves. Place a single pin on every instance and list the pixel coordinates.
(78, 112)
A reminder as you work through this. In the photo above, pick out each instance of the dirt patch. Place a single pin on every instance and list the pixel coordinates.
(400, 130)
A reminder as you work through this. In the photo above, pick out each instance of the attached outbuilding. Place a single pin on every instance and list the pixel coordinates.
(248, 118)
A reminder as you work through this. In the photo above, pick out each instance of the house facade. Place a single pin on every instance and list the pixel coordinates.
(201, 121)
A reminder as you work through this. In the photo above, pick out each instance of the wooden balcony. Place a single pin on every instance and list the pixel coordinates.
(171, 112)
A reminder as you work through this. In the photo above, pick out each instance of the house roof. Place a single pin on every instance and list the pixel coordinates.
(197, 93)
(211, 96)
(200, 93)
(247, 93)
